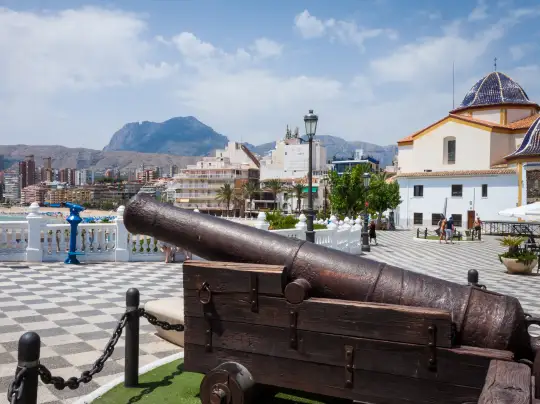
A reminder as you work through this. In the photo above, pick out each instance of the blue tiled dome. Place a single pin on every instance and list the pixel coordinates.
(531, 143)
(495, 88)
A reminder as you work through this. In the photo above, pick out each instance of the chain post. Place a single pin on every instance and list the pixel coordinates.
(28, 358)
(131, 371)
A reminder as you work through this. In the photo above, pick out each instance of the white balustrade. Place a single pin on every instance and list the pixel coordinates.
(36, 240)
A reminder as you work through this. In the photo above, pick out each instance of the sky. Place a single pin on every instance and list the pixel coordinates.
(73, 72)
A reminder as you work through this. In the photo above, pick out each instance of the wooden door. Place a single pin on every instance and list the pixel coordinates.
(470, 218)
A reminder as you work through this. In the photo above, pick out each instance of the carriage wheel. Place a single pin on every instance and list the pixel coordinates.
(229, 383)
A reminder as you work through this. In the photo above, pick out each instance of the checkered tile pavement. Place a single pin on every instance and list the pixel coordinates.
(452, 261)
(75, 309)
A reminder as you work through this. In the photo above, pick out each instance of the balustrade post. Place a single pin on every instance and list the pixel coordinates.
(131, 369)
(34, 252)
(261, 222)
(121, 250)
(333, 235)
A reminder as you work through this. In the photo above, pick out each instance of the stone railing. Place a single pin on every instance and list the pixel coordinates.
(36, 240)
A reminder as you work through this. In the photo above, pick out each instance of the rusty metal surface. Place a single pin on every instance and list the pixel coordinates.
(483, 318)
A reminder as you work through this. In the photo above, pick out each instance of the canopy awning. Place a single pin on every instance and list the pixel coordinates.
(314, 188)
(528, 212)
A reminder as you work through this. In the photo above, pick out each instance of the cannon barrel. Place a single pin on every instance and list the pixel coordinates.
(482, 318)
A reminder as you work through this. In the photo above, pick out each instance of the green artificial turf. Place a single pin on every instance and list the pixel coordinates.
(169, 384)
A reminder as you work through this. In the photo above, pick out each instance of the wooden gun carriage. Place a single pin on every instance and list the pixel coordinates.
(245, 328)
(292, 314)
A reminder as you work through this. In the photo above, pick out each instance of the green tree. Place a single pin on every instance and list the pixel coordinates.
(225, 195)
(383, 195)
(347, 192)
(298, 192)
(275, 187)
(249, 190)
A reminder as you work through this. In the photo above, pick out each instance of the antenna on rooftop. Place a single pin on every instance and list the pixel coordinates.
(495, 64)
(453, 85)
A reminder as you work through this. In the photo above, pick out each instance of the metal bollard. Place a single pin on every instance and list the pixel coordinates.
(131, 371)
(472, 277)
(425, 233)
(28, 357)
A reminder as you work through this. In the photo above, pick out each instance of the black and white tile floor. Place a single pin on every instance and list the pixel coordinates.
(75, 308)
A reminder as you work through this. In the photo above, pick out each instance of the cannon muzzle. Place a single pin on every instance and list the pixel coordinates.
(482, 318)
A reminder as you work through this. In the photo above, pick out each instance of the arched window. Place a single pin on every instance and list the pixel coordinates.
(449, 156)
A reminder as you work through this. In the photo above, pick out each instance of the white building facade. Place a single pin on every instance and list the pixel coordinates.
(290, 159)
(464, 164)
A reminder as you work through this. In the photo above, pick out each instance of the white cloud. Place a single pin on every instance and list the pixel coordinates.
(310, 26)
(46, 57)
(266, 48)
(479, 12)
(518, 52)
(87, 48)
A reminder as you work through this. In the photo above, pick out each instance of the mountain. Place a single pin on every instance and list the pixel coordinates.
(341, 148)
(184, 136)
(65, 157)
(187, 136)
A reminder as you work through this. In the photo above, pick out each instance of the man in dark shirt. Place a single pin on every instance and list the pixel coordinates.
(449, 229)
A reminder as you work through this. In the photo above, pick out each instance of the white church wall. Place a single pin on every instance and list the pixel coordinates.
(427, 152)
(515, 114)
(502, 194)
(490, 115)
(405, 158)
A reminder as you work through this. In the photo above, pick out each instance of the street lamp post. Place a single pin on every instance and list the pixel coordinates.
(311, 127)
(365, 235)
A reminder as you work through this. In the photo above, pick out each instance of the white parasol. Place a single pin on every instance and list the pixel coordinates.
(529, 212)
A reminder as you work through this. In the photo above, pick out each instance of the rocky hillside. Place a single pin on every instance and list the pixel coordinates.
(183, 136)
(65, 157)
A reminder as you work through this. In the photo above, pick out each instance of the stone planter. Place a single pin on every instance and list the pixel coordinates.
(514, 267)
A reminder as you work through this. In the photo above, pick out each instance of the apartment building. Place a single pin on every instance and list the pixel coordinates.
(197, 186)
(34, 193)
(27, 172)
(12, 188)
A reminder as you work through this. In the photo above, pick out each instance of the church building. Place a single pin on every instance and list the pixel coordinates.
(483, 157)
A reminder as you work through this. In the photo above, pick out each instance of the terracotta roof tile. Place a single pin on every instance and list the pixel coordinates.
(458, 173)
(524, 123)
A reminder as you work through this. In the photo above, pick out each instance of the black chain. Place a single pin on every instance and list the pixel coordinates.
(162, 324)
(16, 387)
(73, 382)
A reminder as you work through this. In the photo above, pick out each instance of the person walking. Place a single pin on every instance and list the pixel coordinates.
(442, 227)
(478, 227)
(449, 230)
(372, 232)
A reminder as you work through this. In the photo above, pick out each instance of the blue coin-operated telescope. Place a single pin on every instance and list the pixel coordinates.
(73, 219)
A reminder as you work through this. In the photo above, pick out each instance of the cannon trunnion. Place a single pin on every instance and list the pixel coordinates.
(247, 327)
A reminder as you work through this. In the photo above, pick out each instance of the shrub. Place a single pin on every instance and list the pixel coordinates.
(277, 221)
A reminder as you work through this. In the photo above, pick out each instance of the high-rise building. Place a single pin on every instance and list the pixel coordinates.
(2, 162)
(173, 170)
(67, 175)
(27, 172)
(81, 177)
(47, 161)
(12, 190)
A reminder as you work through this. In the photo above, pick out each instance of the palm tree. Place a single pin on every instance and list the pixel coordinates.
(225, 195)
(275, 187)
(298, 192)
(249, 190)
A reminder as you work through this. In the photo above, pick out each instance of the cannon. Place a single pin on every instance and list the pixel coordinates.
(284, 312)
